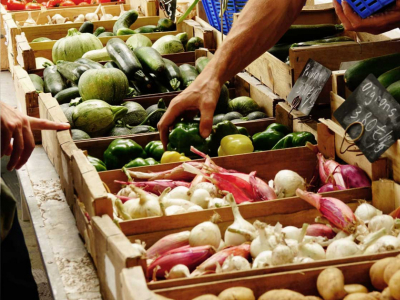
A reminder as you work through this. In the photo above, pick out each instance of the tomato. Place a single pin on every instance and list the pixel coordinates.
(99, 1)
(33, 5)
(16, 4)
(67, 3)
(53, 3)
(77, 2)
(84, 3)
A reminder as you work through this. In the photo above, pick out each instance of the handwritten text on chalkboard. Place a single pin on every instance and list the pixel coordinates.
(169, 7)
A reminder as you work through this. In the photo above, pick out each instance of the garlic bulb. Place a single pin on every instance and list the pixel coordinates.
(30, 21)
(178, 271)
(235, 263)
(58, 19)
(105, 17)
(140, 247)
(174, 210)
(262, 260)
(92, 17)
(366, 212)
(79, 19)
(381, 221)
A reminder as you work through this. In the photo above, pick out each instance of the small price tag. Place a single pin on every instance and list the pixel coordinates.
(378, 112)
(309, 86)
(169, 8)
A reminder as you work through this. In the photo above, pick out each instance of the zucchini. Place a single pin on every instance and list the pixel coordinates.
(125, 59)
(189, 74)
(70, 70)
(87, 27)
(111, 64)
(201, 63)
(99, 30)
(126, 20)
(183, 37)
(150, 59)
(158, 86)
(53, 81)
(218, 118)
(105, 34)
(255, 115)
(97, 55)
(125, 31)
(377, 66)
(334, 40)
(394, 90)
(280, 51)
(142, 129)
(90, 63)
(304, 33)
(173, 74)
(194, 43)
(65, 96)
(37, 82)
(233, 115)
(147, 29)
(41, 39)
(165, 24)
(390, 77)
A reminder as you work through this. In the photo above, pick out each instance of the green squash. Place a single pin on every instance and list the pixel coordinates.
(168, 44)
(138, 40)
(109, 85)
(244, 105)
(96, 117)
(74, 45)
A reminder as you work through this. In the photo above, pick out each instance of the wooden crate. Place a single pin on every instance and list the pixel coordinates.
(302, 281)
(338, 95)
(26, 52)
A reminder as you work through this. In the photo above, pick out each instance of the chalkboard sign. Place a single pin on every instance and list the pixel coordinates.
(169, 8)
(378, 111)
(309, 85)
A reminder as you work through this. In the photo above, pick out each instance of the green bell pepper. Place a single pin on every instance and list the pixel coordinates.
(267, 139)
(141, 162)
(295, 139)
(122, 151)
(183, 136)
(219, 131)
(97, 163)
(242, 130)
(155, 150)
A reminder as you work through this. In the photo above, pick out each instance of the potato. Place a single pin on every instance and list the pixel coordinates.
(359, 296)
(237, 293)
(282, 294)
(376, 273)
(392, 268)
(386, 295)
(330, 284)
(394, 285)
(355, 288)
(206, 297)
(376, 295)
(312, 298)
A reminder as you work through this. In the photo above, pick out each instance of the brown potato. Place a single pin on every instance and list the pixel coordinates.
(359, 296)
(376, 295)
(330, 284)
(386, 294)
(392, 268)
(355, 288)
(206, 297)
(312, 298)
(376, 273)
(394, 285)
(282, 294)
(237, 293)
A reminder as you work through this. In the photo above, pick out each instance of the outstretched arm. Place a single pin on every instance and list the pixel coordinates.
(260, 25)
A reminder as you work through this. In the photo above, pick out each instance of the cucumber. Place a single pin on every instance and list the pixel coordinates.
(158, 86)
(147, 29)
(65, 96)
(97, 55)
(218, 118)
(183, 37)
(194, 43)
(165, 24)
(377, 66)
(188, 73)
(280, 51)
(124, 58)
(87, 27)
(125, 31)
(150, 59)
(233, 115)
(201, 63)
(135, 115)
(53, 81)
(255, 115)
(304, 33)
(111, 64)
(173, 74)
(90, 63)
(142, 129)
(71, 71)
(394, 90)
(99, 30)
(105, 34)
(390, 77)
(334, 40)
(126, 20)
(37, 82)
(41, 39)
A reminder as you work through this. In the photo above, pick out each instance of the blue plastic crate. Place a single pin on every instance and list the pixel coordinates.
(365, 8)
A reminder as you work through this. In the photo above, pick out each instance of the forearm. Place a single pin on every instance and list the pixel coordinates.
(260, 25)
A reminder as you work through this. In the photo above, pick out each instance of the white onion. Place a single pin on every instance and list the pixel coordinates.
(312, 250)
(199, 197)
(262, 260)
(235, 263)
(286, 183)
(383, 244)
(179, 202)
(174, 210)
(342, 248)
(366, 212)
(208, 186)
(293, 245)
(217, 202)
(281, 255)
(194, 208)
(262, 241)
(178, 271)
(206, 233)
(302, 260)
(291, 232)
(146, 206)
(180, 192)
(381, 221)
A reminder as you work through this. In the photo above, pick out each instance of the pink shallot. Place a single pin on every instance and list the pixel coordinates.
(168, 243)
(329, 171)
(156, 186)
(320, 230)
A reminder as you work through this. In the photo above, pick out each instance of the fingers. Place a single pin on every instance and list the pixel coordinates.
(206, 121)
(173, 112)
(351, 15)
(42, 124)
(18, 147)
(9, 150)
(5, 141)
(29, 145)
(339, 11)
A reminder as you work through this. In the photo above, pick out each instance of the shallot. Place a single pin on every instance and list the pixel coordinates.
(168, 243)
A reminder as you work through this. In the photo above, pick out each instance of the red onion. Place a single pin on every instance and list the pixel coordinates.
(354, 176)
(330, 187)
(320, 230)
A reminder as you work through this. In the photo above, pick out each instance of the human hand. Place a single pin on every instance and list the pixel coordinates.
(18, 126)
(375, 24)
(202, 95)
